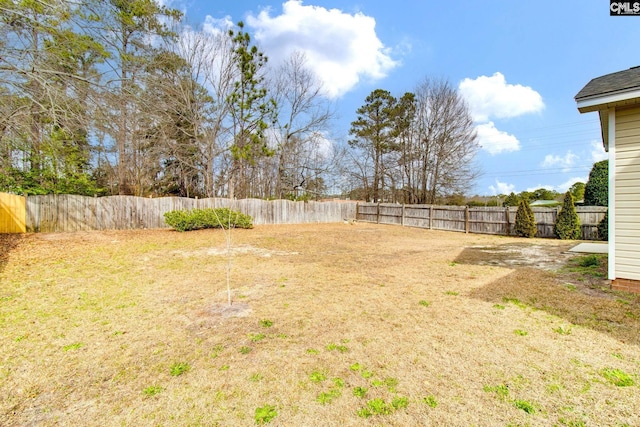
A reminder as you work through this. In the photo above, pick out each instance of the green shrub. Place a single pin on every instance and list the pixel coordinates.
(196, 219)
(596, 192)
(525, 221)
(567, 226)
(603, 227)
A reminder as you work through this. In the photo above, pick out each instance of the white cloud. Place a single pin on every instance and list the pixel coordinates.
(561, 188)
(597, 152)
(558, 161)
(493, 97)
(217, 26)
(341, 48)
(564, 187)
(502, 188)
(537, 187)
(495, 141)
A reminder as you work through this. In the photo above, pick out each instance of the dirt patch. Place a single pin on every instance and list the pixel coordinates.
(546, 257)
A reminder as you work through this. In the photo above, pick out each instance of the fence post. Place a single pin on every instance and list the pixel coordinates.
(378, 214)
(507, 212)
(466, 219)
(402, 220)
(430, 217)
(357, 211)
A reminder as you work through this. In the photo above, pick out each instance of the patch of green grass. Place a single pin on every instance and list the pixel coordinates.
(527, 407)
(589, 261)
(179, 368)
(256, 377)
(266, 323)
(453, 264)
(424, 303)
(364, 412)
(588, 265)
(572, 423)
(499, 306)
(224, 367)
(360, 391)
(257, 337)
(327, 397)
(356, 367)
(340, 348)
(152, 390)
(399, 402)
(366, 374)
(571, 287)
(379, 407)
(430, 401)
(217, 349)
(563, 330)
(74, 346)
(312, 351)
(265, 414)
(245, 350)
(617, 377)
(501, 390)
(338, 382)
(20, 338)
(453, 293)
(317, 376)
(521, 332)
(514, 301)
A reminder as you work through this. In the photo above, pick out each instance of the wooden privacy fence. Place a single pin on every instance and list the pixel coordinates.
(63, 212)
(481, 220)
(12, 213)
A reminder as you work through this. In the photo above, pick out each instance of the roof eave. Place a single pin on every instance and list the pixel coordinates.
(609, 100)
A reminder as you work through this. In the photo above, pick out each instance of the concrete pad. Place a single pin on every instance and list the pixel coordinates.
(591, 248)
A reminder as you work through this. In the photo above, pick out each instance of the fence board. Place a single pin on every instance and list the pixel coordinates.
(56, 212)
(12, 213)
(481, 220)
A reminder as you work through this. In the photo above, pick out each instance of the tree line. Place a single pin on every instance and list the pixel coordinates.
(123, 97)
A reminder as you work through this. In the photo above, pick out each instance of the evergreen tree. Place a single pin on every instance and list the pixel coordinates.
(252, 109)
(596, 192)
(567, 226)
(374, 132)
(603, 227)
(525, 220)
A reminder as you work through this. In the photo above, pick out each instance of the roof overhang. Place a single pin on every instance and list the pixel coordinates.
(609, 100)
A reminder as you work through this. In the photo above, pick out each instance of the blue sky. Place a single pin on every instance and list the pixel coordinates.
(518, 64)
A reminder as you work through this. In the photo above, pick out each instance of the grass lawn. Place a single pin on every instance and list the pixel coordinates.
(330, 325)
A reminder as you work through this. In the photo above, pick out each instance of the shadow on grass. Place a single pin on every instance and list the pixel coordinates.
(8, 242)
(616, 314)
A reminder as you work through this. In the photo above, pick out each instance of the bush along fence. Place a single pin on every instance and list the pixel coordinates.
(481, 220)
(63, 212)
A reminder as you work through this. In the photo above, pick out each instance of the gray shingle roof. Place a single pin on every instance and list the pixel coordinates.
(610, 83)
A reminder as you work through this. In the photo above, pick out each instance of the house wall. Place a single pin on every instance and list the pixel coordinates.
(626, 190)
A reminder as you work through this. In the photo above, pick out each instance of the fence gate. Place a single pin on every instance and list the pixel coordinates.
(13, 213)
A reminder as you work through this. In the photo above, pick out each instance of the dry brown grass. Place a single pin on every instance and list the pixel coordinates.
(89, 321)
